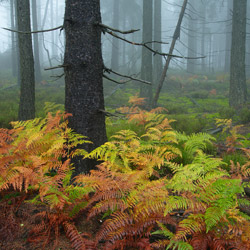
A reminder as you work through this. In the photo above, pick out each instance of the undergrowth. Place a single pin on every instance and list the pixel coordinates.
(159, 189)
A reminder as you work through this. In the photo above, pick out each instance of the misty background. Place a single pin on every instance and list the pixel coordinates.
(206, 31)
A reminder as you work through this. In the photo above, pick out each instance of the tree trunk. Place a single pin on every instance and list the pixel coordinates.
(83, 75)
(17, 46)
(13, 40)
(27, 94)
(157, 37)
(115, 41)
(238, 88)
(36, 43)
(203, 40)
(192, 39)
(175, 37)
(52, 25)
(228, 36)
(146, 63)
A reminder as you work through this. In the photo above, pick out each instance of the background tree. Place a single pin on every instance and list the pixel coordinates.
(146, 62)
(192, 40)
(228, 35)
(38, 76)
(27, 78)
(13, 39)
(157, 37)
(238, 88)
(83, 68)
(115, 41)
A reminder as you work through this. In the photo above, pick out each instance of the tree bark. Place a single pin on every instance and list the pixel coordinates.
(27, 78)
(238, 88)
(146, 63)
(83, 66)
(38, 76)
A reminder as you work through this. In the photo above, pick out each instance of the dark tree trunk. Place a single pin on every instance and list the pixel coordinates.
(157, 37)
(36, 43)
(238, 88)
(146, 63)
(27, 94)
(115, 41)
(83, 74)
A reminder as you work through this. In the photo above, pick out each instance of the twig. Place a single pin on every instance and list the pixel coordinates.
(36, 31)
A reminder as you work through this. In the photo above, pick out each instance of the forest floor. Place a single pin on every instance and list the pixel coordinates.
(194, 102)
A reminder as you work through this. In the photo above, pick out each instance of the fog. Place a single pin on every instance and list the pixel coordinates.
(207, 22)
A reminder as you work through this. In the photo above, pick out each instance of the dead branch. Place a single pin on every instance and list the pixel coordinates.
(150, 49)
(36, 31)
(112, 80)
(125, 76)
(106, 28)
(56, 67)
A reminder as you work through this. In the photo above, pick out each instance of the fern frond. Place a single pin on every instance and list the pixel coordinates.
(179, 245)
(77, 241)
(189, 226)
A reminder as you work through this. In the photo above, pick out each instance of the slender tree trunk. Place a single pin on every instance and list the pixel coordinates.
(203, 11)
(175, 37)
(17, 45)
(13, 39)
(146, 63)
(115, 41)
(157, 37)
(83, 75)
(228, 36)
(27, 94)
(210, 65)
(38, 76)
(238, 88)
(40, 36)
(192, 39)
(52, 25)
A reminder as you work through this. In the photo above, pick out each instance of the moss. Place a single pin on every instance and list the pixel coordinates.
(244, 115)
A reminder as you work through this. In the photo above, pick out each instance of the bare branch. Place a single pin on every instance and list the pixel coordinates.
(152, 50)
(106, 28)
(110, 114)
(129, 77)
(56, 67)
(57, 77)
(112, 80)
(36, 31)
